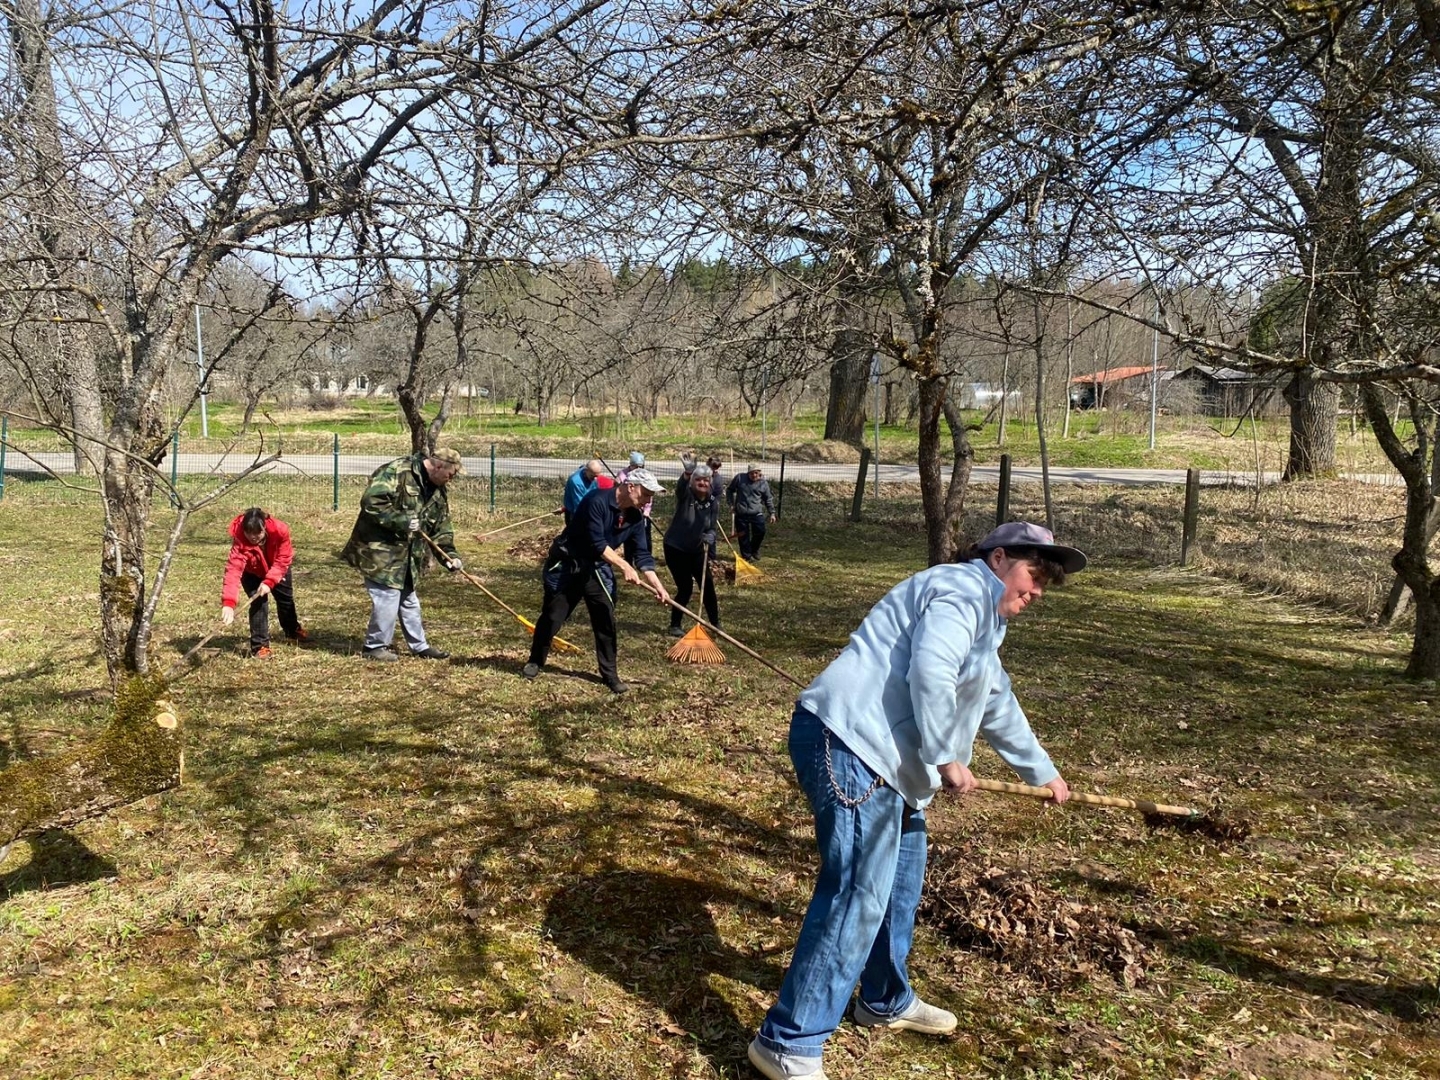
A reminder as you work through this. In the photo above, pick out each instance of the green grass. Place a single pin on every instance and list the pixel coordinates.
(422, 869)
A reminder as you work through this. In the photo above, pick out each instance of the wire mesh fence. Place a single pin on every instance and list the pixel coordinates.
(1327, 541)
(312, 475)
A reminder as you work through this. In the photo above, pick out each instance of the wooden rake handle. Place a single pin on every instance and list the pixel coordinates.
(1142, 805)
(181, 664)
(445, 558)
(482, 537)
(473, 580)
(738, 644)
(1089, 800)
(732, 551)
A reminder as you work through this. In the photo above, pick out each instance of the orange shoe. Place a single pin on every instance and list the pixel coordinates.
(262, 653)
(300, 637)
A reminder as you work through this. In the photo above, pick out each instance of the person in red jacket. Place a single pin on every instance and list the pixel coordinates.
(260, 559)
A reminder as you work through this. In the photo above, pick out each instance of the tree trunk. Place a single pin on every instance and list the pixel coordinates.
(1425, 652)
(1399, 598)
(943, 508)
(964, 460)
(1069, 363)
(1039, 317)
(50, 210)
(849, 373)
(1411, 562)
(127, 488)
(1314, 413)
(1004, 394)
(939, 534)
(137, 754)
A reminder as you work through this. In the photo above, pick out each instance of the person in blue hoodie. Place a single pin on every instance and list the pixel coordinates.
(891, 722)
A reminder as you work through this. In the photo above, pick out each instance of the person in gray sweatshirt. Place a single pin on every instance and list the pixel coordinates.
(891, 722)
(749, 497)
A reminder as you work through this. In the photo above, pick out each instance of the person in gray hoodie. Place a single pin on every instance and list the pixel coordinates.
(891, 722)
(749, 497)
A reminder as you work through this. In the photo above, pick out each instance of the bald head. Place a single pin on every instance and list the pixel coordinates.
(594, 467)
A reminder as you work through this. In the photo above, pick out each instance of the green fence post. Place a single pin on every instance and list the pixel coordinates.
(174, 466)
(492, 478)
(4, 442)
(335, 476)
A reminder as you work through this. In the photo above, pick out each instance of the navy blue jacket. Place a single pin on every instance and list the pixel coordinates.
(598, 523)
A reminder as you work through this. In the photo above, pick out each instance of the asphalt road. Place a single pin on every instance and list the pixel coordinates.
(321, 466)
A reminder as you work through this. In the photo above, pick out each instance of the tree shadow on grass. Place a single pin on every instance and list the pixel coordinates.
(1411, 1002)
(56, 858)
(655, 934)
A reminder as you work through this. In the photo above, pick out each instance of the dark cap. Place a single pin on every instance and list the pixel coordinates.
(1027, 534)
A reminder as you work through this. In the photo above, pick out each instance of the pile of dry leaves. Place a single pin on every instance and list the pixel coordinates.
(534, 549)
(1029, 928)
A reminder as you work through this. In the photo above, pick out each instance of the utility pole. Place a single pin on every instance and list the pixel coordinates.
(200, 364)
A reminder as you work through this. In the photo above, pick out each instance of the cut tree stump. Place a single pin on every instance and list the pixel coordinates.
(137, 754)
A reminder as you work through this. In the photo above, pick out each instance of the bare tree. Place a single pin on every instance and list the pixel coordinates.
(294, 133)
(900, 120)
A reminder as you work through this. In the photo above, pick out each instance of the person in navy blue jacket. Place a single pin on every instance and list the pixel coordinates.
(891, 722)
(607, 532)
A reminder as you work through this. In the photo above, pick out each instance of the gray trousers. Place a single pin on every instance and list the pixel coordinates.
(387, 605)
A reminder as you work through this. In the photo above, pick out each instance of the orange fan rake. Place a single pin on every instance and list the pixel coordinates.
(696, 647)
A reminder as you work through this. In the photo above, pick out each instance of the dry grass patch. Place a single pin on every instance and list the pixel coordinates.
(440, 869)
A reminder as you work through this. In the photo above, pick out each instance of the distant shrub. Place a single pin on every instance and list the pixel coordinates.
(324, 401)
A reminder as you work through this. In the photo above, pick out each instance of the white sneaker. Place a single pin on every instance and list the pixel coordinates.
(777, 1066)
(926, 1019)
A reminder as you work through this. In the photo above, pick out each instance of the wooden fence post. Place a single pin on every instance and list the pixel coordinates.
(860, 484)
(1002, 501)
(1192, 513)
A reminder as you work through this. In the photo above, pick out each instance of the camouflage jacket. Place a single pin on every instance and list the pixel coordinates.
(381, 546)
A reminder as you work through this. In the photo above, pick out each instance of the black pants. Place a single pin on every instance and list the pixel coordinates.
(284, 595)
(560, 602)
(749, 534)
(686, 567)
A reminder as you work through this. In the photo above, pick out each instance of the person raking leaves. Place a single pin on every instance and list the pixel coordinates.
(405, 497)
(261, 557)
(607, 533)
(891, 722)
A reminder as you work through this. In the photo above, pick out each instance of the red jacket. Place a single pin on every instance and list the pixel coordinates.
(269, 559)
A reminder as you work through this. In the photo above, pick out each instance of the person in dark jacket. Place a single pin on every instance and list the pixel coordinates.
(405, 498)
(260, 559)
(749, 497)
(607, 532)
(690, 541)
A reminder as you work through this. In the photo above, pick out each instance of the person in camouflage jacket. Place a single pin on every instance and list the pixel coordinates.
(404, 499)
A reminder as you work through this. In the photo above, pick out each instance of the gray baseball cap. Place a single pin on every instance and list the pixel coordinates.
(1028, 534)
(646, 479)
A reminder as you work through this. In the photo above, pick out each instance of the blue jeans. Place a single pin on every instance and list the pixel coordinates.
(861, 920)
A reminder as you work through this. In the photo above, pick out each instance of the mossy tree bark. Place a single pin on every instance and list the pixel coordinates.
(136, 755)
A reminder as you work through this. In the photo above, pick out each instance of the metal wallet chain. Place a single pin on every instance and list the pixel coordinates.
(845, 800)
